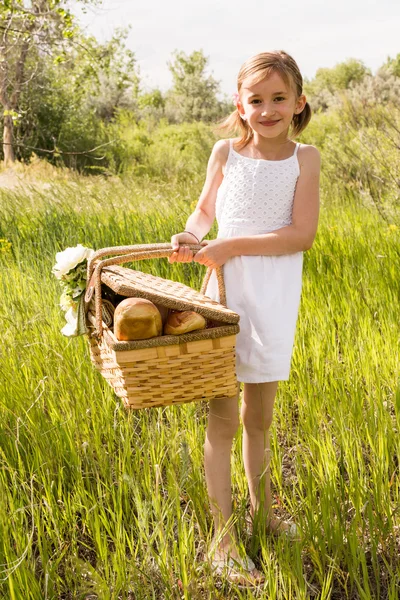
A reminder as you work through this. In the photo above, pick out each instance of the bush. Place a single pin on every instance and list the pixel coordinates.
(161, 150)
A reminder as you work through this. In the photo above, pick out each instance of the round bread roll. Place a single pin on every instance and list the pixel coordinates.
(136, 319)
(183, 322)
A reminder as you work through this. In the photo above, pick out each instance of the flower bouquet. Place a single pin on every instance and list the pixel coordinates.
(70, 270)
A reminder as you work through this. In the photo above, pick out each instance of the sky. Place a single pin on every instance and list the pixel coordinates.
(317, 33)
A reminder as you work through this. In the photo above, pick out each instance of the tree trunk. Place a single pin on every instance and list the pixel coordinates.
(8, 148)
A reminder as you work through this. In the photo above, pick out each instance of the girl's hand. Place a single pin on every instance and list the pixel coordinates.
(182, 252)
(215, 253)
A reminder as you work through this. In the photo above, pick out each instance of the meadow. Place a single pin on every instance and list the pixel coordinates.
(100, 503)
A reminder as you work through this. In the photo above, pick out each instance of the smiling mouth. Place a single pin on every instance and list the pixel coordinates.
(269, 123)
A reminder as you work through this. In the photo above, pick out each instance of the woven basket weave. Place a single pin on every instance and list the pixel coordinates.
(169, 369)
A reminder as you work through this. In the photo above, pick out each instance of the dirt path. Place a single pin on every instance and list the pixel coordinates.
(37, 174)
(10, 180)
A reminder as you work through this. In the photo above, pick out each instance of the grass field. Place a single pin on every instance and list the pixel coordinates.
(99, 503)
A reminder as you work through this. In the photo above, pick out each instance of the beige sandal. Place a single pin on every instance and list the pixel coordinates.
(285, 528)
(239, 571)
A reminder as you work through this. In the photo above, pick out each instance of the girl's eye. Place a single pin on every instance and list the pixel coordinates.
(279, 98)
(255, 101)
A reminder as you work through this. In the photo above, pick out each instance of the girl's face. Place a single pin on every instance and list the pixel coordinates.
(269, 105)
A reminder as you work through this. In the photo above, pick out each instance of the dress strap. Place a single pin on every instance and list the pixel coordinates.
(230, 149)
(296, 149)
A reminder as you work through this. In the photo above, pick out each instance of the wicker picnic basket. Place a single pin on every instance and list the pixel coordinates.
(168, 369)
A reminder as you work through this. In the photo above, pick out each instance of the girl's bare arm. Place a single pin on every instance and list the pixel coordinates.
(200, 221)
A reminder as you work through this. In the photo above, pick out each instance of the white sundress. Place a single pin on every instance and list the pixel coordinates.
(255, 197)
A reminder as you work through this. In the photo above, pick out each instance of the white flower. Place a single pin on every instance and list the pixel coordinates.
(66, 301)
(69, 258)
(71, 328)
(70, 269)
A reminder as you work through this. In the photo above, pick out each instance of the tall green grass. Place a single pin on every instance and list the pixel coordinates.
(99, 503)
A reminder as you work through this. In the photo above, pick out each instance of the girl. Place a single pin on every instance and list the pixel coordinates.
(263, 189)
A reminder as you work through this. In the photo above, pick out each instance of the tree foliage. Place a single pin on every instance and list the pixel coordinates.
(65, 108)
(392, 65)
(30, 32)
(114, 79)
(193, 96)
(358, 134)
(80, 102)
(329, 83)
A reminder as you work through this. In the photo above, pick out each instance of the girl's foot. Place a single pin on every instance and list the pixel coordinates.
(227, 563)
(278, 527)
(242, 572)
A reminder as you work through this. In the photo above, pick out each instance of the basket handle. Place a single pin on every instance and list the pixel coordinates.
(128, 254)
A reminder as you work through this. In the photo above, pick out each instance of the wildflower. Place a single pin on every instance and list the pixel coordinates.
(5, 246)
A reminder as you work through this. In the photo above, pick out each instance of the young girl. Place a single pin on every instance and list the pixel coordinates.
(263, 189)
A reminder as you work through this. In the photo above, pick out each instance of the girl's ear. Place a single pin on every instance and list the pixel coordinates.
(240, 108)
(300, 104)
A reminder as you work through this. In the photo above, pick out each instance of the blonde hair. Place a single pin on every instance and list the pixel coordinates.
(262, 66)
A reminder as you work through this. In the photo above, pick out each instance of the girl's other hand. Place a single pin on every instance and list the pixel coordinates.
(215, 252)
(182, 252)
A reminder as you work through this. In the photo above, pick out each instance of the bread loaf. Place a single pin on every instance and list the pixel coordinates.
(183, 322)
(136, 319)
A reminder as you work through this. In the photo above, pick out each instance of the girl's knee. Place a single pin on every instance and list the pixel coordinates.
(254, 420)
(257, 407)
(223, 418)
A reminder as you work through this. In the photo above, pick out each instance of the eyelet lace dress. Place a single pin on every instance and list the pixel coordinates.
(256, 197)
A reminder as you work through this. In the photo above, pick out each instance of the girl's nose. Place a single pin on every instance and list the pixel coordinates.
(267, 112)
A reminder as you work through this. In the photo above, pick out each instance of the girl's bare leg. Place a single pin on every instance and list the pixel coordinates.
(223, 423)
(256, 412)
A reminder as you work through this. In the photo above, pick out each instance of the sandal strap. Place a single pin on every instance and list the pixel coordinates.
(292, 532)
(246, 564)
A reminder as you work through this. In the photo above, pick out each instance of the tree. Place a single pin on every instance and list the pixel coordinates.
(29, 31)
(340, 76)
(193, 96)
(114, 76)
(328, 82)
(151, 105)
(392, 66)
(67, 107)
